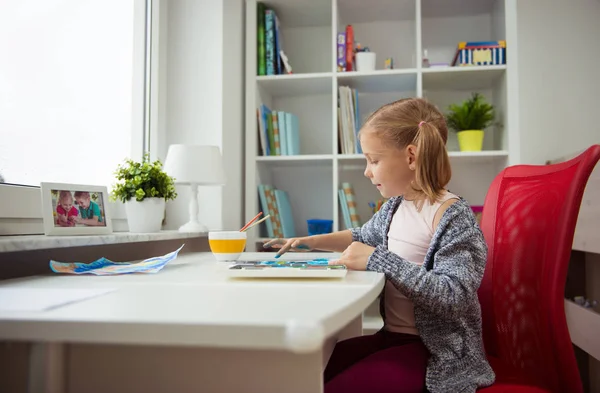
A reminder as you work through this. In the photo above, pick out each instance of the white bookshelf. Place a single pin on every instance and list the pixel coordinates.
(392, 28)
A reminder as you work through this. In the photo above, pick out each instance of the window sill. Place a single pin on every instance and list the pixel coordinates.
(41, 242)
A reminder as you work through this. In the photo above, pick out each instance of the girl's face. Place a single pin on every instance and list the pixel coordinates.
(389, 168)
(66, 204)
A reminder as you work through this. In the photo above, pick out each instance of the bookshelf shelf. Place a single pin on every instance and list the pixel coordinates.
(306, 157)
(296, 84)
(306, 160)
(380, 80)
(462, 78)
(403, 30)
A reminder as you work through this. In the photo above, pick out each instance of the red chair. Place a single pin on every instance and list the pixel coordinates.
(528, 221)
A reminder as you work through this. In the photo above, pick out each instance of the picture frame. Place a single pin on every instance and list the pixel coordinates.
(75, 209)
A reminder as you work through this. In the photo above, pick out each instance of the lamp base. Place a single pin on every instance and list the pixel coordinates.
(193, 227)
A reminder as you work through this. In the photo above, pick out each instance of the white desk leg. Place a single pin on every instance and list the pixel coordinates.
(46, 368)
(353, 329)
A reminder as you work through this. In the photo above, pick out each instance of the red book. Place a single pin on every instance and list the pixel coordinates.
(349, 48)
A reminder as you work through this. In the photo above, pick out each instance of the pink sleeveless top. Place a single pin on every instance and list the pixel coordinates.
(409, 237)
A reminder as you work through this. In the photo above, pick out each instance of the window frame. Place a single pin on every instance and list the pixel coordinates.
(21, 207)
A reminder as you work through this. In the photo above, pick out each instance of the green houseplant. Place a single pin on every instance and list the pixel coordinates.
(469, 119)
(144, 187)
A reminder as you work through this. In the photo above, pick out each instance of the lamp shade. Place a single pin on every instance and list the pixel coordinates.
(195, 164)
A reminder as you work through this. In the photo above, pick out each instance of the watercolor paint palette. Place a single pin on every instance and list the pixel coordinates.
(313, 268)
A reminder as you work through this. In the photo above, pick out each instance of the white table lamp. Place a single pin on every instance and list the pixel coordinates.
(196, 165)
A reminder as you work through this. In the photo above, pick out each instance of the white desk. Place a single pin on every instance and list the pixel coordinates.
(190, 328)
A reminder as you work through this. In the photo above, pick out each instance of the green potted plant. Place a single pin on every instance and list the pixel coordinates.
(144, 188)
(469, 119)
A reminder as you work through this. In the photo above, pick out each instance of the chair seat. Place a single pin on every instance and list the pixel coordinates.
(509, 380)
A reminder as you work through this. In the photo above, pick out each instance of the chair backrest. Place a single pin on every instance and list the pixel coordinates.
(528, 220)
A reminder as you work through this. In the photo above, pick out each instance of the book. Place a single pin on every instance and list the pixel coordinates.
(282, 133)
(260, 39)
(270, 41)
(351, 203)
(285, 213)
(293, 134)
(262, 196)
(341, 52)
(276, 133)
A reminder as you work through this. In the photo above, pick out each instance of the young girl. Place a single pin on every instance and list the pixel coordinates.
(66, 213)
(429, 246)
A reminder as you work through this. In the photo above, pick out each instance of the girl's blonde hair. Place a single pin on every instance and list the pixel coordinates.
(416, 121)
(64, 194)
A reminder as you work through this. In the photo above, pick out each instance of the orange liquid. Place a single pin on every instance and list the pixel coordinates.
(227, 246)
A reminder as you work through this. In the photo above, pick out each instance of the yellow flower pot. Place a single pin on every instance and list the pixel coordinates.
(470, 140)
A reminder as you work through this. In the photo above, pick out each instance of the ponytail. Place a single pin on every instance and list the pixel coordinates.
(433, 171)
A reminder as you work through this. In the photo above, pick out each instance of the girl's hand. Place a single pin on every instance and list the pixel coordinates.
(355, 257)
(292, 244)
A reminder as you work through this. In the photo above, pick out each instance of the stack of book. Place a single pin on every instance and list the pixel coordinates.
(348, 206)
(276, 203)
(271, 60)
(348, 121)
(278, 132)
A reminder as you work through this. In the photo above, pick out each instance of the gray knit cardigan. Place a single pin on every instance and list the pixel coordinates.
(443, 291)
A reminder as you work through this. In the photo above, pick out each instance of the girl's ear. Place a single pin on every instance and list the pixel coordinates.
(411, 154)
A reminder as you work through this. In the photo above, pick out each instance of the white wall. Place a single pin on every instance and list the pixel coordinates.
(559, 83)
(203, 97)
(233, 112)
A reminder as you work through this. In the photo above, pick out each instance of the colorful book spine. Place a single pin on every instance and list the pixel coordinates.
(281, 116)
(265, 118)
(285, 213)
(278, 47)
(260, 44)
(341, 52)
(351, 203)
(270, 41)
(349, 48)
(276, 132)
(273, 211)
(293, 134)
(262, 135)
(271, 134)
(344, 208)
(356, 121)
(265, 208)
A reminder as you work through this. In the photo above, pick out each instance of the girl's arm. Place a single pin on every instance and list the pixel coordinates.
(458, 266)
(336, 241)
(370, 233)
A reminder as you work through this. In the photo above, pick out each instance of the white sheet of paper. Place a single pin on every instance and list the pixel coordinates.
(41, 299)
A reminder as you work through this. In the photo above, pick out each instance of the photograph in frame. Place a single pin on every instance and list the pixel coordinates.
(75, 209)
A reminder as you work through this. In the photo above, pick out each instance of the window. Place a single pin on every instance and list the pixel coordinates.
(67, 70)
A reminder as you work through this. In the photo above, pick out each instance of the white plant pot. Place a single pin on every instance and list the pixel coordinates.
(365, 61)
(145, 216)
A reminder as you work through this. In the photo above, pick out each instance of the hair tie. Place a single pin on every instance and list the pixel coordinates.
(421, 123)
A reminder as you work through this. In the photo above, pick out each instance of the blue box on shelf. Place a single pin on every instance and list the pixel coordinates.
(480, 53)
(318, 226)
